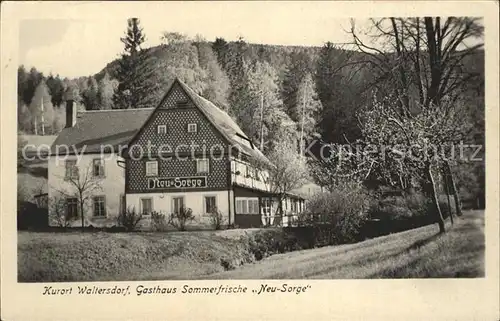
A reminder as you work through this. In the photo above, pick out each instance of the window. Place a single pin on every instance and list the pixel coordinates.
(98, 167)
(266, 206)
(162, 129)
(177, 204)
(152, 168)
(99, 206)
(241, 206)
(210, 204)
(72, 207)
(247, 205)
(202, 166)
(146, 206)
(71, 169)
(192, 128)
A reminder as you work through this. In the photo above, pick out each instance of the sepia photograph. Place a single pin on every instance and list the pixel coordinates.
(166, 151)
(249, 160)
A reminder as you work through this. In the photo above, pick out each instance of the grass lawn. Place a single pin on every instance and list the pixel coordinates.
(418, 253)
(100, 256)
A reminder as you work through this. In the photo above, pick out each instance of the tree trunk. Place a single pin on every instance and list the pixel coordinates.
(458, 204)
(83, 216)
(432, 187)
(447, 188)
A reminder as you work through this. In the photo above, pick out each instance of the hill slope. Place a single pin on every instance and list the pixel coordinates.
(417, 253)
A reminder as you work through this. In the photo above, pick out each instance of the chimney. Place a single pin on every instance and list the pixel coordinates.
(70, 108)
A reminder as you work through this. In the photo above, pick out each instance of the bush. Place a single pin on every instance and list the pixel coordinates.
(272, 241)
(337, 216)
(58, 212)
(158, 221)
(129, 219)
(216, 219)
(398, 213)
(180, 219)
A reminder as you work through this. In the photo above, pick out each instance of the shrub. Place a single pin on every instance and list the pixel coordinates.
(158, 221)
(216, 219)
(337, 216)
(180, 219)
(129, 219)
(58, 212)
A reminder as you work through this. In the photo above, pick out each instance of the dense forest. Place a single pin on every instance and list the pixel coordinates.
(287, 93)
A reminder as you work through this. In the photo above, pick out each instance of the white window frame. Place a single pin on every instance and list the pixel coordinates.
(103, 172)
(142, 207)
(94, 200)
(205, 212)
(192, 128)
(73, 169)
(244, 208)
(198, 171)
(161, 129)
(149, 174)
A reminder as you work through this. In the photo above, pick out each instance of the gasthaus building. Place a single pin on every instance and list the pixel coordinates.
(186, 152)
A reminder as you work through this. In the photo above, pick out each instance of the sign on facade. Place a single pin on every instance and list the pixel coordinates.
(177, 182)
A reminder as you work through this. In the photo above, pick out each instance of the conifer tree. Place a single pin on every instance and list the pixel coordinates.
(134, 73)
(56, 89)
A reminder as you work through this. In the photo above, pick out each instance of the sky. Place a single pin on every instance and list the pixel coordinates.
(73, 48)
(89, 36)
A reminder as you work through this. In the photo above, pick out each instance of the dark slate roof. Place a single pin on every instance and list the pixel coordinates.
(226, 125)
(102, 127)
(118, 126)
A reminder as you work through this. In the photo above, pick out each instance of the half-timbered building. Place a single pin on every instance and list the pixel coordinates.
(186, 152)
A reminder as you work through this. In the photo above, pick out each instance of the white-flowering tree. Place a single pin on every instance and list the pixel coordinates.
(290, 171)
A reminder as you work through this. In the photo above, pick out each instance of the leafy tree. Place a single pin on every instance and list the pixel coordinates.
(135, 72)
(306, 110)
(59, 120)
(24, 118)
(105, 92)
(264, 117)
(290, 171)
(217, 89)
(180, 59)
(90, 96)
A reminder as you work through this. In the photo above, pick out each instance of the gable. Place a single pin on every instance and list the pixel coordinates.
(176, 111)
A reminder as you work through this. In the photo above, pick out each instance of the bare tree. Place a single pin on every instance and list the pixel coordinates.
(82, 186)
(421, 62)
